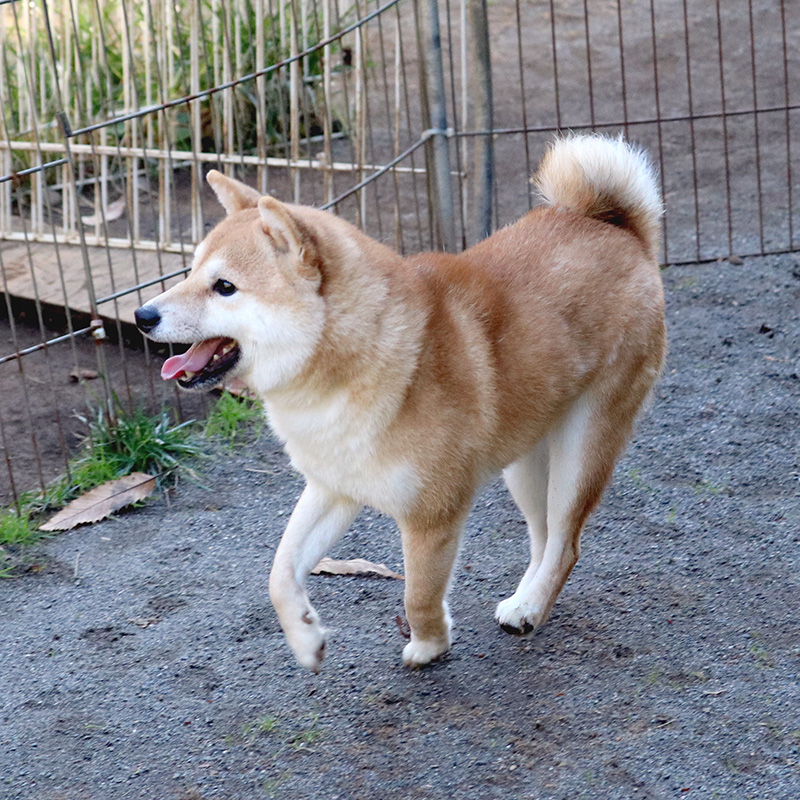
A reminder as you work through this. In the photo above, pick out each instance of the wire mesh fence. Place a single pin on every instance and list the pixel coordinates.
(134, 101)
(420, 121)
(709, 88)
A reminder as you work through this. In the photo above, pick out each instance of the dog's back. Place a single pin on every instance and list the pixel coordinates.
(520, 325)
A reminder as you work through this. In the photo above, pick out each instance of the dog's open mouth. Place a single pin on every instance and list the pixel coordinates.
(204, 364)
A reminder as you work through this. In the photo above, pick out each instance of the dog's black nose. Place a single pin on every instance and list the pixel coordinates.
(147, 318)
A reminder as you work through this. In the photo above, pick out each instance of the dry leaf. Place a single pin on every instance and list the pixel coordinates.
(82, 374)
(114, 211)
(355, 566)
(403, 627)
(102, 501)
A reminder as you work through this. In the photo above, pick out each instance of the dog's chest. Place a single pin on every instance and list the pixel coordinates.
(338, 446)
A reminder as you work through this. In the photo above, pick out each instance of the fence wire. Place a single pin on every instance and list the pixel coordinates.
(420, 121)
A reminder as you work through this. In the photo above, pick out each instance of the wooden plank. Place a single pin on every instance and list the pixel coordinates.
(34, 270)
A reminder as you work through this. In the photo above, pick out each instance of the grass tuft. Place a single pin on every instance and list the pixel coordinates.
(231, 415)
(15, 526)
(137, 442)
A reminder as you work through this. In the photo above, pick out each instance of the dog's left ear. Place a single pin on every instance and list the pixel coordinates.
(290, 236)
(232, 194)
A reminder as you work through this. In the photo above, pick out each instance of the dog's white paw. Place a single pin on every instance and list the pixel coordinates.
(307, 640)
(517, 617)
(419, 652)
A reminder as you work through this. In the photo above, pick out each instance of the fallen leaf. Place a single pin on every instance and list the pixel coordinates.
(114, 211)
(355, 566)
(403, 627)
(102, 501)
(82, 374)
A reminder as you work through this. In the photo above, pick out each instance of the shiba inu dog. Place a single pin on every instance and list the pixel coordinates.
(405, 382)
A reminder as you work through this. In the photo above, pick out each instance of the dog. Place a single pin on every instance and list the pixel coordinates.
(404, 383)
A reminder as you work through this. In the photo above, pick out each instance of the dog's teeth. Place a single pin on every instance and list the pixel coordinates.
(215, 357)
(189, 374)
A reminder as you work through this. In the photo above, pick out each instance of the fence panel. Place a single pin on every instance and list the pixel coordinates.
(709, 88)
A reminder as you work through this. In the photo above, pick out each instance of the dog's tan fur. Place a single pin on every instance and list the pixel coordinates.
(403, 383)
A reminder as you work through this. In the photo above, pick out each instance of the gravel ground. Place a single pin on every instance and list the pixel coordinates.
(140, 658)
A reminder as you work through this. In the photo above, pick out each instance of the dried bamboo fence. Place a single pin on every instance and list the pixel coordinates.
(419, 120)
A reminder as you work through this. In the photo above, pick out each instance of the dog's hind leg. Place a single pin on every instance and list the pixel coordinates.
(582, 452)
(527, 481)
(429, 552)
(318, 521)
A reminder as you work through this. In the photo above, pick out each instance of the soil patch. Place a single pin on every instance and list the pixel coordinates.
(46, 393)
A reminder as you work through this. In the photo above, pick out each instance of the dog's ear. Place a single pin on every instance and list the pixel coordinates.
(232, 194)
(291, 236)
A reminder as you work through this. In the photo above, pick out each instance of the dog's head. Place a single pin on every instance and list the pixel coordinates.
(251, 305)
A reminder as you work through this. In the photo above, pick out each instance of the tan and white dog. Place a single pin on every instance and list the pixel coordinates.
(403, 383)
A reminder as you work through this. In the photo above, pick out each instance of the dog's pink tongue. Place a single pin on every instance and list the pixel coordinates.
(193, 360)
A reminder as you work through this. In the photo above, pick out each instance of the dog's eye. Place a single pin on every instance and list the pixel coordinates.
(224, 288)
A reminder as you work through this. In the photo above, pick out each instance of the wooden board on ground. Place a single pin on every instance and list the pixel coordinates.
(56, 275)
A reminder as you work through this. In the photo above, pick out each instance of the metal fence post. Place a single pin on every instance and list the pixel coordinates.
(481, 92)
(98, 331)
(442, 185)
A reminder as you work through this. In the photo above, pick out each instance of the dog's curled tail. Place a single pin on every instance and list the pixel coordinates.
(605, 179)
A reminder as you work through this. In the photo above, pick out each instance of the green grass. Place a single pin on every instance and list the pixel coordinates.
(138, 442)
(112, 448)
(15, 526)
(231, 416)
(308, 737)
(263, 725)
(285, 734)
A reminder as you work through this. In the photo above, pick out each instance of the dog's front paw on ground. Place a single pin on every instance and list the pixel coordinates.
(518, 618)
(419, 652)
(307, 640)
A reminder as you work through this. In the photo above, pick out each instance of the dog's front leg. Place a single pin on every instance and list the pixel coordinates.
(318, 521)
(429, 552)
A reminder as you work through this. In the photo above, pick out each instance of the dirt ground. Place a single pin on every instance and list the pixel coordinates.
(140, 658)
